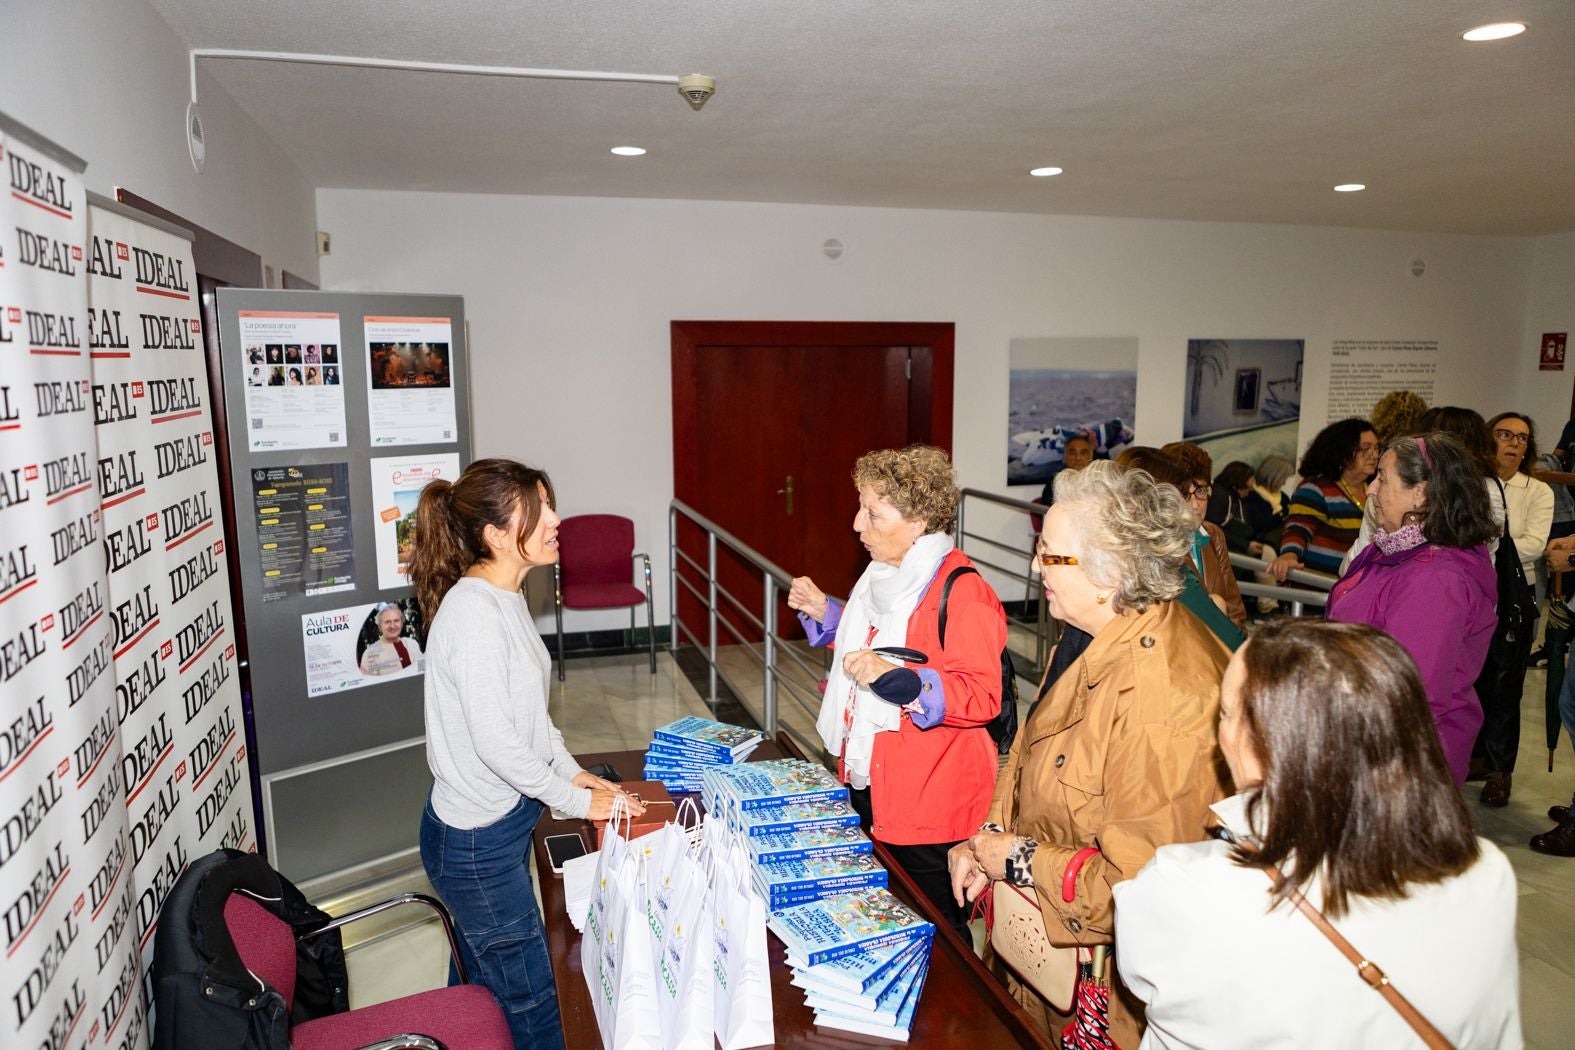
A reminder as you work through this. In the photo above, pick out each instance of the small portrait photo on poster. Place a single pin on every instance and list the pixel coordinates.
(255, 377)
(292, 354)
(254, 355)
(330, 353)
(275, 353)
(330, 375)
(400, 365)
(314, 375)
(292, 377)
(313, 356)
(387, 644)
(276, 375)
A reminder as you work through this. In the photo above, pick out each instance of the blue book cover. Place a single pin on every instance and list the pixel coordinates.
(899, 1030)
(862, 978)
(798, 816)
(887, 1008)
(703, 734)
(657, 750)
(754, 785)
(839, 926)
(777, 880)
(809, 842)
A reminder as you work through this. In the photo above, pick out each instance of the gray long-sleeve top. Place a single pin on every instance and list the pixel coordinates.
(489, 739)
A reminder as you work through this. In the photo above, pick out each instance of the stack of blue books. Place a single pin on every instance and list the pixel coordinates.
(680, 752)
(768, 785)
(783, 883)
(860, 958)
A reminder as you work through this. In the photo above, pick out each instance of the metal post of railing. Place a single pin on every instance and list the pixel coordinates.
(672, 580)
(711, 581)
(771, 655)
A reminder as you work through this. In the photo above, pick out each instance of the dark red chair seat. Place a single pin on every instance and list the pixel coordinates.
(463, 1017)
(601, 595)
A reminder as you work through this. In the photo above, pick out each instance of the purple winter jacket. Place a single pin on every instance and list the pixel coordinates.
(1441, 604)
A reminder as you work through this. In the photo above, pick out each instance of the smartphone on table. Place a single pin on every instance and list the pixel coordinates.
(563, 848)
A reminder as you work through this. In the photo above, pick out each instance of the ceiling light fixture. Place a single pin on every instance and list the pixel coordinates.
(1044, 172)
(695, 88)
(1493, 31)
(628, 151)
(1350, 187)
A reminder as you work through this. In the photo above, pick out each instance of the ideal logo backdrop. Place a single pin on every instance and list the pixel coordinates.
(121, 756)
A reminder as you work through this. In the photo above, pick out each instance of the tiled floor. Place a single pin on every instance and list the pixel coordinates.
(612, 703)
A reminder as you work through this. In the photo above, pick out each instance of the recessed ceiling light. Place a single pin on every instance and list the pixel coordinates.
(1043, 172)
(1350, 187)
(1494, 31)
(628, 151)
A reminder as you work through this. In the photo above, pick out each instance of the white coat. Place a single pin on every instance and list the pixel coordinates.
(1217, 970)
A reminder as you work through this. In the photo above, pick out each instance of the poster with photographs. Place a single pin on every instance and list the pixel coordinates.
(294, 390)
(1065, 388)
(410, 387)
(396, 488)
(1243, 398)
(361, 645)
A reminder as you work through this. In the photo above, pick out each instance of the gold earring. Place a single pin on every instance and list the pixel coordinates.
(1102, 598)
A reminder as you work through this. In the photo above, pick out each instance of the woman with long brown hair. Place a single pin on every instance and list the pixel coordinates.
(497, 760)
(1345, 799)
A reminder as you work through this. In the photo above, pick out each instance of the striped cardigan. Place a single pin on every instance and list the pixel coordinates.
(1321, 525)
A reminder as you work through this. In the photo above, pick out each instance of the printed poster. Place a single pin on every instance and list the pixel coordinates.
(396, 488)
(1065, 388)
(410, 384)
(294, 391)
(303, 529)
(361, 645)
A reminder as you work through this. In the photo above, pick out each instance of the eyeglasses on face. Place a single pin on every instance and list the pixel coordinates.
(1512, 437)
(1049, 560)
(1200, 492)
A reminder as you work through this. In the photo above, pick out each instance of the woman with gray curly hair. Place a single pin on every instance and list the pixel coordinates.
(910, 737)
(1120, 756)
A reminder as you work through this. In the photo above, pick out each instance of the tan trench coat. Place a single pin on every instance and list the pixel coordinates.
(1122, 754)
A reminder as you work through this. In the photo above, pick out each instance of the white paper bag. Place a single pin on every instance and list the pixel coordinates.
(685, 985)
(615, 951)
(742, 1014)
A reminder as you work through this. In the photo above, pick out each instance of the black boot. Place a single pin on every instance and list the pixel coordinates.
(1560, 842)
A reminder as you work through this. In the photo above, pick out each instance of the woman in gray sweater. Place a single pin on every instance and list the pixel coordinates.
(497, 760)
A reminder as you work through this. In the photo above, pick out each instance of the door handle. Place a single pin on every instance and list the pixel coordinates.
(788, 492)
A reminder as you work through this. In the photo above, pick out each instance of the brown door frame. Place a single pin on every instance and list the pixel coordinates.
(929, 411)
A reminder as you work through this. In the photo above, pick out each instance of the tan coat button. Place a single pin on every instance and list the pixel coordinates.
(1074, 925)
(1060, 760)
(1147, 641)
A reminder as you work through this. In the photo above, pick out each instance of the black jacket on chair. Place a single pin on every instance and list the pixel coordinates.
(204, 996)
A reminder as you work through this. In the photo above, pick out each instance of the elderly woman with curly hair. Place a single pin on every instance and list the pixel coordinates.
(911, 742)
(1120, 757)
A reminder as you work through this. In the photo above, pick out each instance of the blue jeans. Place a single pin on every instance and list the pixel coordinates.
(482, 876)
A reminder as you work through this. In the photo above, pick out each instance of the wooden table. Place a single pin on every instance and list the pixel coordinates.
(962, 1005)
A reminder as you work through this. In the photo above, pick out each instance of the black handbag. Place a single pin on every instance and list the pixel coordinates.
(1003, 727)
(1517, 602)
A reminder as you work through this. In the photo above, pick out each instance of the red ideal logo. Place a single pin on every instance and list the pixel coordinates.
(76, 253)
(30, 473)
(121, 251)
(180, 771)
(48, 622)
(207, 437)
(14, 314)
(166, 650)
(196, 326)
(151, 523)
(136, 388)
(218, 546)
(64, 769)
(229, 652)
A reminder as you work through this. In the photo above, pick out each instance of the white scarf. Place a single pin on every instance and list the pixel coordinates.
(884, 598)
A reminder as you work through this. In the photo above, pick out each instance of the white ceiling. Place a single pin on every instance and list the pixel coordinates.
(1246, 110)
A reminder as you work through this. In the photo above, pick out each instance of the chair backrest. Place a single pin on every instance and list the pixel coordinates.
(596, 548)
(265, 942)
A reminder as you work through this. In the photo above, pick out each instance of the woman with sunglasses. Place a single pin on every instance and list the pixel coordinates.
(1118, 758)
(1528, 509)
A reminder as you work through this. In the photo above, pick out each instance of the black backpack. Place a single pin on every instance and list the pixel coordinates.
(1003, 727)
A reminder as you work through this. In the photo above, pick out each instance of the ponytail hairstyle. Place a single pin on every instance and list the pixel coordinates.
(451, 515)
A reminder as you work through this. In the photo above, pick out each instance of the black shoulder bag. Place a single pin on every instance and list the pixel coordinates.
(1003, 727)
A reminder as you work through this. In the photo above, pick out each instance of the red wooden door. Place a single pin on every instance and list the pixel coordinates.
(755, 404)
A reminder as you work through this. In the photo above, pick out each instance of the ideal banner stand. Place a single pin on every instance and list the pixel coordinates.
(313, 382)
(120, 756)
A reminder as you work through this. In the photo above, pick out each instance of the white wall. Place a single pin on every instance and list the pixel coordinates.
(569, 301)
(1550, 307)
(107, 79)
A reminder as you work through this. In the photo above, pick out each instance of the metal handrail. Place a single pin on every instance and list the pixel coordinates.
(773, 579)
(1044, 626)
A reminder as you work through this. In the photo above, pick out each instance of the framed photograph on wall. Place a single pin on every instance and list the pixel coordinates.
(1247, 383)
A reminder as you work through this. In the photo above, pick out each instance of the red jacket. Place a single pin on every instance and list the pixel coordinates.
(934, 785)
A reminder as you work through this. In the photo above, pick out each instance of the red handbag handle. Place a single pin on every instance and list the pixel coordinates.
(1075, 865)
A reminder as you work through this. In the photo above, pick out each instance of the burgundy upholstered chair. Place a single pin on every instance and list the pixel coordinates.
(464, 1015)
(594, 556)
